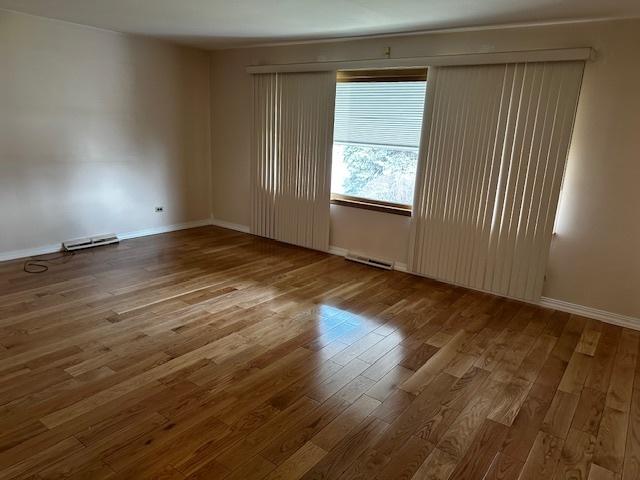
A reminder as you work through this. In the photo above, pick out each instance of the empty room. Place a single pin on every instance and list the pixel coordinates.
(304, 239)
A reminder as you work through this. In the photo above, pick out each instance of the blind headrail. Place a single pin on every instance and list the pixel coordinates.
(548, 55)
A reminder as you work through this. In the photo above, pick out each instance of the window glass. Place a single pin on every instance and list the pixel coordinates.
(376, 139)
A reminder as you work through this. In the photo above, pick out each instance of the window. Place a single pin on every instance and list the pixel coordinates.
(378, 120)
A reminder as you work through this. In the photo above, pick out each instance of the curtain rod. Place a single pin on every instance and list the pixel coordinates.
(552, 55)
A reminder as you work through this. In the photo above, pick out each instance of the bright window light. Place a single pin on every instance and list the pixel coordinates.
(376, 139)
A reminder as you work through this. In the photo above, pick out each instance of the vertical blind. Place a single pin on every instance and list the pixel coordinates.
(494, 147)
(379, 113)
(291, 157)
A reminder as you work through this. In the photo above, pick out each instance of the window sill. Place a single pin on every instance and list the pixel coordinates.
(376, 207)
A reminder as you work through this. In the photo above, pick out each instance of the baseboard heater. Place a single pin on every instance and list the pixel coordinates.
(97, 241)
(374, 262)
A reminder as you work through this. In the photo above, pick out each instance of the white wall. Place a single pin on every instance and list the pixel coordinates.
(96, 129)
(595, 258)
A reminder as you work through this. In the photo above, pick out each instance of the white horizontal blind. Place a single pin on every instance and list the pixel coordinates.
(379, 113)
(494, 149)
(291, 157)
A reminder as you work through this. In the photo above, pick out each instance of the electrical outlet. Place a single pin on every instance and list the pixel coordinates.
(159, 209)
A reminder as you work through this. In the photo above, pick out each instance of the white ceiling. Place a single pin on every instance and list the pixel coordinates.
(223, 23)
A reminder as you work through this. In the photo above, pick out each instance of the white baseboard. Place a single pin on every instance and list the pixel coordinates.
(230, 226)
(603, 315)
(341, 252)
(56, 247)
(164, 229)
(30, 252)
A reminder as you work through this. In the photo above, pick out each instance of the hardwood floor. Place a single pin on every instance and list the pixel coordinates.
(211, 354)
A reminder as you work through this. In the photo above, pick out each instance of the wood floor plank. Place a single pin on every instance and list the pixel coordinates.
(596, 472)
(560, 414)
(588, 342)
(481, 452)
(576, 455)
(346, 421)
(389, 383)
(41, 459)
(425, 374)
(506, 409)
(437, 466)
(208, 353)
(632, 451)
(524, 430)
(460, 434)
(253, 468)
(394, 405)
(611, 440)
(536, 358)
(406, 461)
(589, 411)
(233, 456)
(345, 452)
(503, 467)
(576, 373)
(299, 463)
(624, 367)
(602, 365)
(543, 457)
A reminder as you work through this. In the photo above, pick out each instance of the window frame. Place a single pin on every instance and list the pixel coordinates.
(417, 74)
(369, 204)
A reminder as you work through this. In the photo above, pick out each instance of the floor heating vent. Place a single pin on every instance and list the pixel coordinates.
(96, 241)
(374, 262)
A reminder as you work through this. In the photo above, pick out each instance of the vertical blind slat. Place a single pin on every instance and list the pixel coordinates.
(291, 157)
(492, 157)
